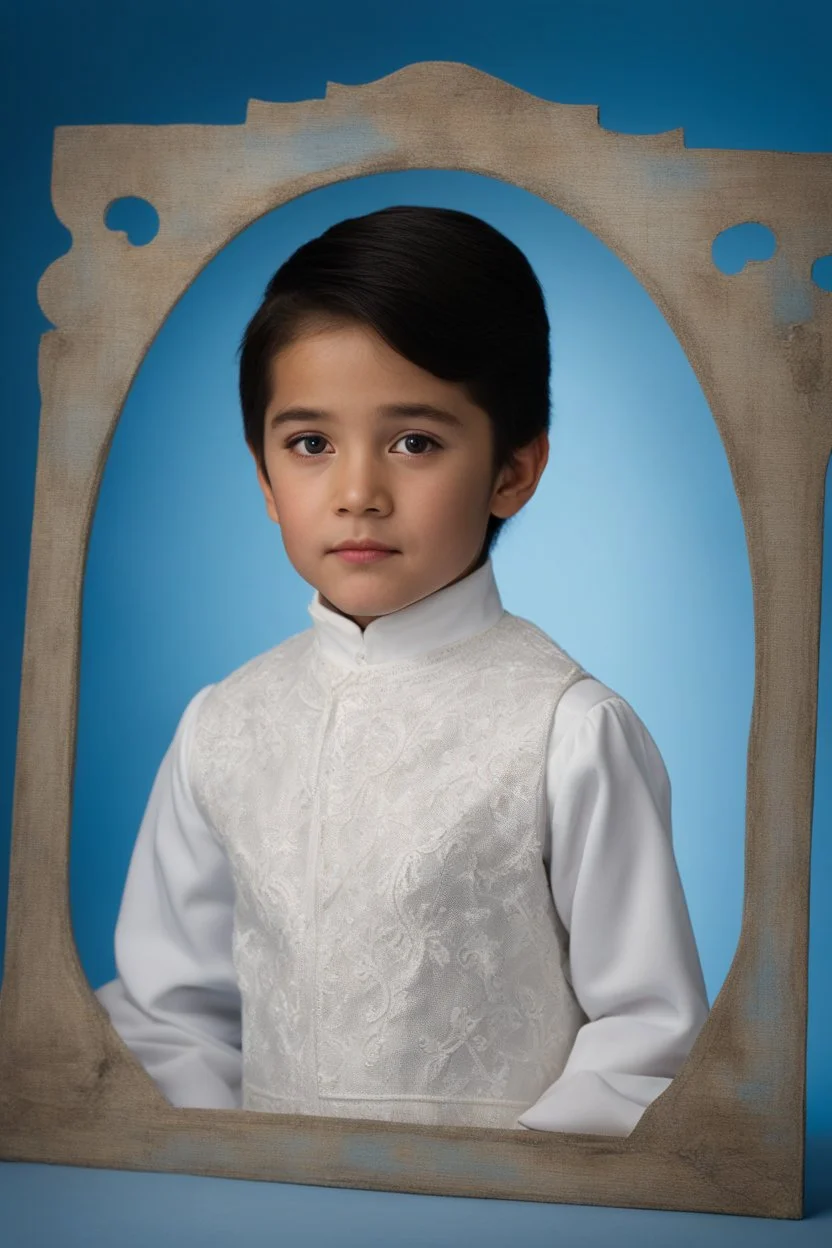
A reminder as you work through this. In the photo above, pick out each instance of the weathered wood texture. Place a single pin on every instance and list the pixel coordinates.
(728, 1134)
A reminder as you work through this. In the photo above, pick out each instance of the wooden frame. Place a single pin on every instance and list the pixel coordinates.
(728, 1134)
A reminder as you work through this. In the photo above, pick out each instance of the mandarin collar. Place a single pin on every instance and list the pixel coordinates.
(457, 611)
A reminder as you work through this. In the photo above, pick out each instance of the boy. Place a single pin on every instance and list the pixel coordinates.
(414, 863)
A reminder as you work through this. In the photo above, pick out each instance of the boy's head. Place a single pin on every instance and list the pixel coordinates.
(406, 306)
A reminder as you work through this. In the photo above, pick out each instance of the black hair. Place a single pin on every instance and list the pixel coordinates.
(444, 289)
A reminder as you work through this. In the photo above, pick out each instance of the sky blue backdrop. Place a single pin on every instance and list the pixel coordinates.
(631, 554)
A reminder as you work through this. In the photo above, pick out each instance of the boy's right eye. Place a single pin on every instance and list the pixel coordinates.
(304, 437)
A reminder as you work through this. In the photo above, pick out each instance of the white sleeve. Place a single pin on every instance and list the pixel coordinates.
(175, 1002)
(633, 960)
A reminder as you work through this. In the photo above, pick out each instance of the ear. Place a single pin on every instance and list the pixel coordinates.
(271, 506)
(518, 481)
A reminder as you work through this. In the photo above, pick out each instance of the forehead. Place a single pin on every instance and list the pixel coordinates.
(341, 371)
(343, 354)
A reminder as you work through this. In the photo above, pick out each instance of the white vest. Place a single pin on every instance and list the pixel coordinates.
(397, 949)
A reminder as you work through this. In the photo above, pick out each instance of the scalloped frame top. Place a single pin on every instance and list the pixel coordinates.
(728, 1134)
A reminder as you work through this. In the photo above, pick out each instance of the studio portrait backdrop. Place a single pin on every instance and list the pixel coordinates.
(737, 1105)
(184, 579)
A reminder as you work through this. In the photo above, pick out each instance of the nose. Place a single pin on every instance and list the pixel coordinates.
(362, 483)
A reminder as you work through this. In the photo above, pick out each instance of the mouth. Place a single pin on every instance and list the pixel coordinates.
(365, 554)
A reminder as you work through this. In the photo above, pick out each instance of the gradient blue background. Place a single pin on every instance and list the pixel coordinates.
(631, 554)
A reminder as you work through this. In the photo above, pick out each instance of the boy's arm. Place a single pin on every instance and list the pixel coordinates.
(633, 961)
(175, 1002)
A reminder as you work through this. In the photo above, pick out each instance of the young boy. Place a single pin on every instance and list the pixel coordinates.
(413, 863)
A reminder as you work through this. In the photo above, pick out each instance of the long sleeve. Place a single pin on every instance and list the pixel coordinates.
(175, 1001)
(633, 961)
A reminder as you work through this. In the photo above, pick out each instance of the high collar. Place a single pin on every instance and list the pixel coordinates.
(463, 609)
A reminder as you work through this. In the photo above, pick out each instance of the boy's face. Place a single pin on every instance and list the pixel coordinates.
(359, 476)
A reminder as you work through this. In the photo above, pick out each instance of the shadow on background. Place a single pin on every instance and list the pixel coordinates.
(818, 1179)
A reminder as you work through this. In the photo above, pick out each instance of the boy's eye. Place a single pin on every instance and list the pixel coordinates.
(317, 437)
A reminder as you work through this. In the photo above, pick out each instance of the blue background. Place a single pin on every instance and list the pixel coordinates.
(631, 554)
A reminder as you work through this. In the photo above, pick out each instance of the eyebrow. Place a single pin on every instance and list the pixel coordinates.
(389, 411)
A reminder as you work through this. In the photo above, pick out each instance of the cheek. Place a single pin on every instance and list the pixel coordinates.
(290, 490)
(460, 497)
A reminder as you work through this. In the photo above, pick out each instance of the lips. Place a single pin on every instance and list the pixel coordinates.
(367, 555)
(362, 546)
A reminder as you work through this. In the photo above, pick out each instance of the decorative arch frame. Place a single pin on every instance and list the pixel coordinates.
(727, 1136)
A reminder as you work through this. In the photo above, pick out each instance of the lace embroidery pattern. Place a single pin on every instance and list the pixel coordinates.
(395, 941)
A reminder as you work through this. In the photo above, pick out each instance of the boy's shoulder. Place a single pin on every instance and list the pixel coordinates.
(261, 672)
(583, 693)
(531, 644)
